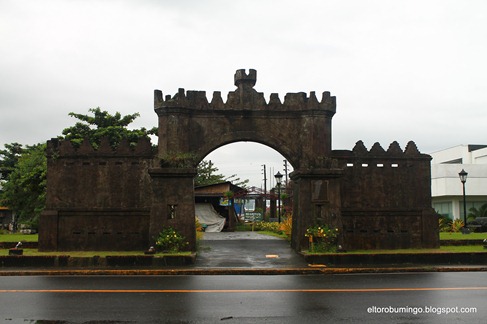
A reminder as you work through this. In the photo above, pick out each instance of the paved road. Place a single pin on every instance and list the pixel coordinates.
(246, 250)
(365, 298)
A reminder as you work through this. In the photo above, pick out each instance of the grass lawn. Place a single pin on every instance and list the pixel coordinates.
(443, 236)
(282, 235)
(88, 254)
(442, 249)
(460, 236)
(19, 237)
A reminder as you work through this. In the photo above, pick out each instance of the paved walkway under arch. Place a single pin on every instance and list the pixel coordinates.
(246, 250)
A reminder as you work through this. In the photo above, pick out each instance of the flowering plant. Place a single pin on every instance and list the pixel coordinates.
(170, 240)
(267, 226)
(322, 238)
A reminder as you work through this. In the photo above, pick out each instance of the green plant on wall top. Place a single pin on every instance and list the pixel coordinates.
(170, 240)
(178, 160)
(103, 124)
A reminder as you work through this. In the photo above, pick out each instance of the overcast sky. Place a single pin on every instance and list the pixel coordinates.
(401, 70)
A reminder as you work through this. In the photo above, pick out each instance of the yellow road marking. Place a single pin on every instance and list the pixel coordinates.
(272, 256)
(211, 291)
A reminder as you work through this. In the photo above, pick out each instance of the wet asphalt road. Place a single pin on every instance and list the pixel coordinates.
(246, 250)
(245, 299)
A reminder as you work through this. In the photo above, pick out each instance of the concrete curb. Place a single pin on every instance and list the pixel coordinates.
(385, 259)
(236, 271)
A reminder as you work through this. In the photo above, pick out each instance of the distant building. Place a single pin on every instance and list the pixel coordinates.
(5, 217)
(218, 196)
(446, 187)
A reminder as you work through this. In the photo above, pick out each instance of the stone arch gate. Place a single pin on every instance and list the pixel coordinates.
(119, 199)
(190, 128)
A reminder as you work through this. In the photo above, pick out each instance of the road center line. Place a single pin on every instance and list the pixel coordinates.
(212, 291)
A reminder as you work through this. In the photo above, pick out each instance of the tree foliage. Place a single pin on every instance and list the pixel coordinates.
(25, 190)
(101, 124)
(24, 170)
(478, 212)
(9, 158)
(207, 175)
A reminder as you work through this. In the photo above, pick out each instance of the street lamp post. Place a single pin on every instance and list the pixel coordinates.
(463, 179)
(278, 177)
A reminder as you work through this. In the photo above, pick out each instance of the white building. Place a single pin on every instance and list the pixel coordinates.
(446, 187)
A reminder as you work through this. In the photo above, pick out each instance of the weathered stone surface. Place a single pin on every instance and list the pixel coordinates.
(300, 128)
(120, 199)
(97, 199)
(386, 198)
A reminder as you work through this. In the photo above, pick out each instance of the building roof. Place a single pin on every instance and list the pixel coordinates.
(217, 189)
(461, 154)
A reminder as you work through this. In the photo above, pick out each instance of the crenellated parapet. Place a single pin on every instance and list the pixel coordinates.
(394, 149)
(57, 148)
(245, 97)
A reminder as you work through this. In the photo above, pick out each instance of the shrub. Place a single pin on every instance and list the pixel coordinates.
(284, 227)
(445, 223)
(322, 238)
(287, 225)
(456, 225)
(170, 240)
(267, 226)
(199, 229)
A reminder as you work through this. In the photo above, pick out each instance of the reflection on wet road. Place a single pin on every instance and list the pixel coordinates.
(366, 298)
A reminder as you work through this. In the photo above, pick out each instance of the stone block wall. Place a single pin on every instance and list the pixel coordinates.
(97, 199)
(386, 198)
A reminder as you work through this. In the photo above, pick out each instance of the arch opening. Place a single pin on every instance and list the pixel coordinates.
(247, 170)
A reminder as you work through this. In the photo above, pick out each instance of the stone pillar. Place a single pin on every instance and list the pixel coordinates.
(173, 203)
(430, 229)
(316, 201)
(48, 230)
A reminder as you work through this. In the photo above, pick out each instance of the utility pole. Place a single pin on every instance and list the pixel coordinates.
(265, 187)
(285, 173)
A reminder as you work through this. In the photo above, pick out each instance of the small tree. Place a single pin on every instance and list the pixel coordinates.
(207, 175)
(9, 158)
(25, 190)
(23, 170)
(102, 124)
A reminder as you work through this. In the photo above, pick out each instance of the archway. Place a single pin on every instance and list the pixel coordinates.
(190, 127)
(121, 198)
(247, 169)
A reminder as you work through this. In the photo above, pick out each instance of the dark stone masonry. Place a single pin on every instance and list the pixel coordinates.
(108, 199)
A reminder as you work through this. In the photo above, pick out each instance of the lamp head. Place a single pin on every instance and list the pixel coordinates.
(278, 177)
(463, 176)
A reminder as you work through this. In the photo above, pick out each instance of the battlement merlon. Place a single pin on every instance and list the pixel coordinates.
(245, 97)
(377, 152)
(57, 148)
(243, 79)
